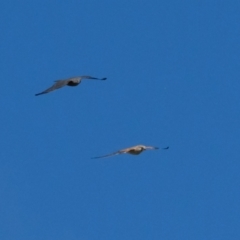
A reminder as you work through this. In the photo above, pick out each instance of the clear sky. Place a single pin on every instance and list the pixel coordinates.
(173, 74)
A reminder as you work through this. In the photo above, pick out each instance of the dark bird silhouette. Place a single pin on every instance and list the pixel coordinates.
(74, 81)
(135, 150)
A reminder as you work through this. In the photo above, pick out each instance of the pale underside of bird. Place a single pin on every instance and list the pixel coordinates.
(72, 82)
(135, 150)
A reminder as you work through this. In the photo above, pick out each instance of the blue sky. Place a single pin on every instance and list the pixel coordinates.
(173, 80)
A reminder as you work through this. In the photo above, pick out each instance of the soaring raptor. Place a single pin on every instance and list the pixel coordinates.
(135, 150)
(74, 81)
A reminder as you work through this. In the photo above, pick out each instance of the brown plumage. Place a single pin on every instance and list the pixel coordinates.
(135, 150)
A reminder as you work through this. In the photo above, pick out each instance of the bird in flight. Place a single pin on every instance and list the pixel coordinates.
(135, 150)
(74, 81)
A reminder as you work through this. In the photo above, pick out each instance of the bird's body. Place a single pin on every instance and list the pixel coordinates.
(72, 82)
(135, 150)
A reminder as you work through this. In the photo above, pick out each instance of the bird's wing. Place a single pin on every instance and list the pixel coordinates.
(125, 150)
(57, 85)
(108, 155)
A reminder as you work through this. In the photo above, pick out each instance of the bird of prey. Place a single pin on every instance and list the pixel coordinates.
(74, 81)
(135, 150)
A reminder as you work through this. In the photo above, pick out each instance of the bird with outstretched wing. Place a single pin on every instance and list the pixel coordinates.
(135, 150)
(72, 82)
